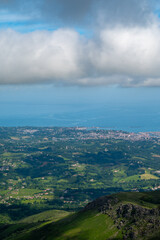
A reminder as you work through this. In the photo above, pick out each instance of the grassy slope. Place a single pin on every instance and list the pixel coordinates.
(88, 225)
(146, 199)
(31, 223)
(50, 215)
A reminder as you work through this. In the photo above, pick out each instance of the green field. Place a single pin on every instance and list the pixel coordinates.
(44, 169)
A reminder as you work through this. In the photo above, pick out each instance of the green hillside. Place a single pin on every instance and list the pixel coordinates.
(119, 216)
(88, 225)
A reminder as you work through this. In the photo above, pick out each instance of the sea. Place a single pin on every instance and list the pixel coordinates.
(126, 117)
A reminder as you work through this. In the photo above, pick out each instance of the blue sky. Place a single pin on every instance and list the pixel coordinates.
(81, 52)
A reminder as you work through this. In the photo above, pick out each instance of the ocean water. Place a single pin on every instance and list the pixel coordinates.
(128, 117)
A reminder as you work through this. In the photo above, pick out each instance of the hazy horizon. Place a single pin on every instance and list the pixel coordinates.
(91, 63)
(114, 108)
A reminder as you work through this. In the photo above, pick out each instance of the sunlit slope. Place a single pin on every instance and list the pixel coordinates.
(84, 225)
(19, 229)
(118, 216)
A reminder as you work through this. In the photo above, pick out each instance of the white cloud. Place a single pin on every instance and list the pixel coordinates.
(125, 56)
(39, 56)
(131, 51)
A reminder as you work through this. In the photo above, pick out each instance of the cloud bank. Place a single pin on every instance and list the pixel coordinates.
(123, 56)
(124, 48)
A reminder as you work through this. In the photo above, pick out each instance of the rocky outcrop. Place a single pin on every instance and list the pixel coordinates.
(135, 222)
(131, 211)
(102, 204)
(138, 222)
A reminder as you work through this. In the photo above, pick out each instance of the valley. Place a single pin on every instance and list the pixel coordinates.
(45, 169)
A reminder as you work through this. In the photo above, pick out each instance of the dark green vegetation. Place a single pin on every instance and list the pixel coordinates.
(118, 216)
(43, 169)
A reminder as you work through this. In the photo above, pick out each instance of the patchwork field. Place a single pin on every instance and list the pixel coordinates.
(44, 169)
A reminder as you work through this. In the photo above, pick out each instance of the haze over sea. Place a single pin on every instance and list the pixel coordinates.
(80, 63)
(113, 108)
(129, 109)
(107, 117)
